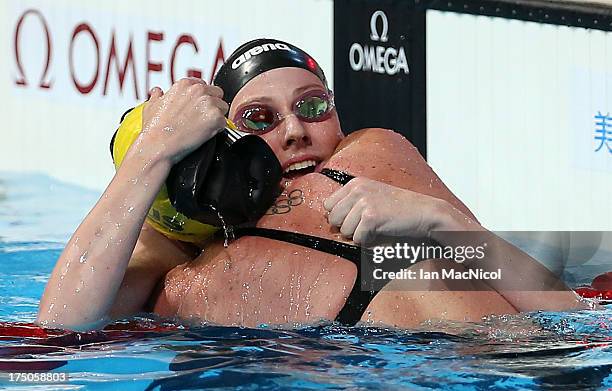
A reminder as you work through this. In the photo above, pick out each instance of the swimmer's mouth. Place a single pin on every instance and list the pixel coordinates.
(300, 168)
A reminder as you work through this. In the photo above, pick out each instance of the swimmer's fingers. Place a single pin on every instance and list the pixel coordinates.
(331, 201)
(155, 93)
(212, 115)
(190, 87)
(365, 230)
(341, 209)
(188, 82)
(352, 219)
(362, 221)
(207, 101)
(215, 91)
(199, 89)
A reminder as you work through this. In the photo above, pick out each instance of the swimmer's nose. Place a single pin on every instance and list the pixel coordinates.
(296, 135)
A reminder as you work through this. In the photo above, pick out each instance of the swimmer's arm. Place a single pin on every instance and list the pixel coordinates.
(86, 279)
(526, 284)
(365, 208)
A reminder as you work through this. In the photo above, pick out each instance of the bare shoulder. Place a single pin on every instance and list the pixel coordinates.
(387, 156)
(153, 257)
(378, 153)
(377, 135)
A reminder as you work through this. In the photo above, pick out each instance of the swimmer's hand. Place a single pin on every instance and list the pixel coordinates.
(177, 122)
(365, 208)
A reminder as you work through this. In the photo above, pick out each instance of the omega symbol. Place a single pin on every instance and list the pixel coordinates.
(374, 36)
(21, 80)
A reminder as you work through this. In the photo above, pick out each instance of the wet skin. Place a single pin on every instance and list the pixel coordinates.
(258, 280)
(110, 266)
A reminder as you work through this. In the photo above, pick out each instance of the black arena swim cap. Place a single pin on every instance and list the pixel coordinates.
(258, 56)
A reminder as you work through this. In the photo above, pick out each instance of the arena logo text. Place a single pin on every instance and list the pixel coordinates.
(257, 50)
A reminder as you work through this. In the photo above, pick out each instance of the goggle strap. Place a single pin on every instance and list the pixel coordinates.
(234, 135)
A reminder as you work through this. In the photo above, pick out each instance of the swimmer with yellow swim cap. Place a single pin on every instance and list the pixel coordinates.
(162, 216)
(231, 179)
(299, 262)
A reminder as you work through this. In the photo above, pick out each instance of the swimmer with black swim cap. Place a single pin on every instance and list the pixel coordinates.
(242, 180)
(226, 179)
(111, 267)
(258, 56)
(313, 109)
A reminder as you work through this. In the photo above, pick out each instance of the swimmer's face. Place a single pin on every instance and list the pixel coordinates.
(295, 142)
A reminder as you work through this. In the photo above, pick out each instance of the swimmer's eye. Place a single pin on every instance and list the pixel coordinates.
(312, 107)
(257, 119)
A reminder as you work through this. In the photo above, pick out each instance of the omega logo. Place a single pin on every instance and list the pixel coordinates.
(109, 71)
(378, 59)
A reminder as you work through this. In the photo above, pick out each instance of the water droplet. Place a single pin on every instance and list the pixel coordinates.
(83, 258)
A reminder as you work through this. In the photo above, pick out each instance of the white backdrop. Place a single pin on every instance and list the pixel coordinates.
(511, 104)
(511, 120)
(64, 130)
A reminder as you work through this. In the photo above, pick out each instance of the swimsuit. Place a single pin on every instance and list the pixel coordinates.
(358, 300)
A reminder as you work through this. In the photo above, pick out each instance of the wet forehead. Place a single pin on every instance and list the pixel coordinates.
(277, 86)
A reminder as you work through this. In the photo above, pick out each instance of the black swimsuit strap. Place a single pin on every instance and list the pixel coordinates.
(358, 300)
(344, 250)
(339, 176)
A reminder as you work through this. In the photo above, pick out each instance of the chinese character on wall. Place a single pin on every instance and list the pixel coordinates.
(603, 131)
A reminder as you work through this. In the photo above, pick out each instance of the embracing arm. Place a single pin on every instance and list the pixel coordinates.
(90, 272)
(364, 209)
(530, 287)
(87, 276)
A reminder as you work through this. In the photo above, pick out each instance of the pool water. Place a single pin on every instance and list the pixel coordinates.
(565, 351)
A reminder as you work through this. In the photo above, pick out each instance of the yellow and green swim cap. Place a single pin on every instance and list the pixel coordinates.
(162, 216)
